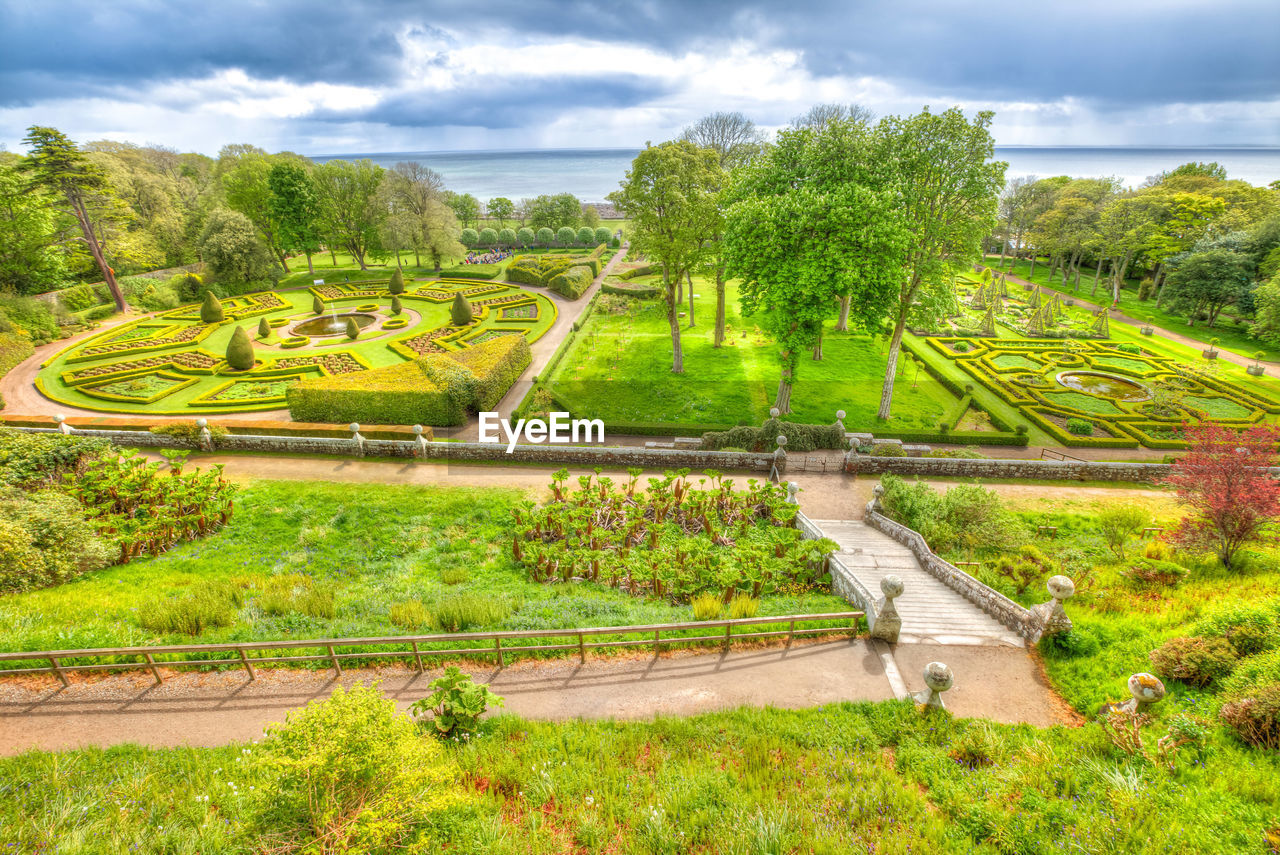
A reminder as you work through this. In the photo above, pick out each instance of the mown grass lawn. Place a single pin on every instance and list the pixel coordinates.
(619, 369)
(348, 554)
(846, 778)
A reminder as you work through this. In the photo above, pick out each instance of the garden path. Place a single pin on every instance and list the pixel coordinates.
(218, 708)
(931, 612)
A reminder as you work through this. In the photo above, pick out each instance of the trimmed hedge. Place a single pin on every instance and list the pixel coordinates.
(800, 437)
(434, 390)
(641, 291)
(472, 271)
(573, 282)
(643, 270)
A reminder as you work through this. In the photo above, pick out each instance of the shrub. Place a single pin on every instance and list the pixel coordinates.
(454, 575)
(188, 286)
(411, 615)
(264, 328)
(979, 745)
(602, 235)
(488, 237)
(637, 290)
(396, 285)
(78, 298)
(470, 238)
(572, 283)
(960, 346)
(1080, 427)
(1155, 573)
(1159, 550)
(396, 306)
(743, 606)
(187, 430)
(1251, 629)
(462, 612)
(1069, 645)
(1195, 661)
(211, 311)
(888, 450)
(545, 236)
(46, 538)
(565, 235)
(707, 606)
(296, 593)
(1255, 719)
(317, 305)
(456, 704)
(494, 366)
(1129, 348)
(205, 607)
(525, 270)
(14, 348)
(353, 329)
(525, 236)
(1119, 522)
(240, 349)
(586, 235)
(460, 311)
(351, 774)
(28, 315)
(1260, 670)
(506, 237)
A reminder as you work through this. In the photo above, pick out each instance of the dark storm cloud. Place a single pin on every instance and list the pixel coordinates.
(1116, 54)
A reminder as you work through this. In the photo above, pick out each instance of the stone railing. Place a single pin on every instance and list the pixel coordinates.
(882, 617)
(420, 447)
(1031, 624)
(1049, 470)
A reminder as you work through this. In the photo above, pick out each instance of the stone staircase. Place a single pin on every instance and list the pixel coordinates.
(931, 612)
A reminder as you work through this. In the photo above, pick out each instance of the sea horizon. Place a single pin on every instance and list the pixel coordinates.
(592, 173)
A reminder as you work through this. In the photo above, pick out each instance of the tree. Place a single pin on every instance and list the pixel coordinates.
(804, 227)
(488, 237)
(292, 206)
(347, 194)
(732, 136)
(32, 256)
(526, 236)
(670, 195)
(470, 237)
(460, 311)
(55, 165)
(396, 307)
(353, 329)
(586, 235)
(246, 185)
(1225, 485)
(507, 237)
(231, 246)
(939, 167)
(553, 212)
(465, 207)
(211, 311)
(1266, 302)
(396, 285)
(264, 328)
(1207, 282)
(317, 305)
(545, 236)
(819, 115)
(566, 235)
(240, 350)
(501, 208)
(1124, 228)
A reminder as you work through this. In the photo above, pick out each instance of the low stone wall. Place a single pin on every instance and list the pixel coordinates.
(1049, 470)
(994, 603)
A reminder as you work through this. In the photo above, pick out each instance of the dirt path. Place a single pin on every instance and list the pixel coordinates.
(218, 708)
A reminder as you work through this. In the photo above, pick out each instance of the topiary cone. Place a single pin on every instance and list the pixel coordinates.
(396, 308)
(397, 282)
(240, 351)
(353, 331)
(317, 305)
(460, 310)
(264, 329)
(211, 310)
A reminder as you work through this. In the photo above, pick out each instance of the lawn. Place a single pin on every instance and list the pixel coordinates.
(619, 369)
(1230, 335)
(846, 778)
(321, 560)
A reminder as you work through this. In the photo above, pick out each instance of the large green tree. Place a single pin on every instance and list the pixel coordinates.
(807, 225)
(351, 210)
(294, 209)
(670, 194)
(1207, 282)
(54, 165)
(247, 189)
(553, 212)
(231, 245)
(501, 209)
(945, 184)
(465, 207)
(31, 257)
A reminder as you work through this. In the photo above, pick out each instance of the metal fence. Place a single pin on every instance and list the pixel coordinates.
(247, 655)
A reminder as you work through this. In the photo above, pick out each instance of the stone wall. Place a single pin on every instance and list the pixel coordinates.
(994, 603)
(1049, 470)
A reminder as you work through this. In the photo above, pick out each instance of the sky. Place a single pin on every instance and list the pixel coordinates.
(324, 77)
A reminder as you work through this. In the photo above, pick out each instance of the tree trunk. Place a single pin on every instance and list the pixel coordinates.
(1032, 274)
(817, 348)
(689, 277)
(1097, 276)
(1004, 247)
(311, 268)
(417, 259)
(1076, 288)
(890, 369)
(673, 318)
(1119, 276)
(333, 256)
(719, 337)
(842, 325)
(95, 249)
(783, 400)
(284, 260)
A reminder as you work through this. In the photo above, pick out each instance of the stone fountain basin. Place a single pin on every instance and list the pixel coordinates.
(1104, 385)
(327, 325)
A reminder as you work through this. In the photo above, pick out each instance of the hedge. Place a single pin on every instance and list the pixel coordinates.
(525, 270)
(638, 290)
(435, 390)
(13, 349)
(642, 270)
(572, 283)
(800, 437)
(472, 271)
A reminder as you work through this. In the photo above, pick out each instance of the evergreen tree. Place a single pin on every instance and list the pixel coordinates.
(460, 310)
(211, 310)
(240, 351)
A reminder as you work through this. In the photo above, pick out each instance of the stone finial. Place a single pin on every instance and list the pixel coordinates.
(877, 493)
(774, 412)
(885, 624)
(892, 587)
(1146, 690)
(59, 418)
(1050, 618)
(417, 430)
(938, 678)
(354, 427)
(202, 423)
(781, 440)
(839, 415)
(853, 443)
(792, 489)
(61, 422)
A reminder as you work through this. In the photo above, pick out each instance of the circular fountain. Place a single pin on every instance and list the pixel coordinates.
(331, 325)
(1104, 385)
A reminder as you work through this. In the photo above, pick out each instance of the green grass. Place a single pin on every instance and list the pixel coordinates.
(619, 369)
(1231, 336)
(369, 549)
(845, 778)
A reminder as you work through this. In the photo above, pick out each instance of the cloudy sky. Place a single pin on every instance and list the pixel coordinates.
(317, 76)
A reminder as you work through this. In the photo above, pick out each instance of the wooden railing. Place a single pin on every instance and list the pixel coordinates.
(1051, 454)
(248, 654)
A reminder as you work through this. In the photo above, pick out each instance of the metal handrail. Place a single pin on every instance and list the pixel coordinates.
(241, 649)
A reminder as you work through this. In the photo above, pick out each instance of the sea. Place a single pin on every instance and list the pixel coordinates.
(592, 173)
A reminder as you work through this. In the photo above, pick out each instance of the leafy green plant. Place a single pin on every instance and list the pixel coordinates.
(743, 606)
(462, 612)
(203, 608)
(456, 704)
(1080, 427)
(1195, 661)
(707, 607)
(411, 615)
(1120, 521)
(454, 575)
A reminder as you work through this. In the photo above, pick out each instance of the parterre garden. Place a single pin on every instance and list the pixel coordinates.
(175, 362)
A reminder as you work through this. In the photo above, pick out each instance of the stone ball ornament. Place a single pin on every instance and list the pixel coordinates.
(939, 678)
(202, 423)
(1146, 688)
(782, 441)
(1061, 587)
(840, 415)
(354, 427)
(774, 412)
(892, 587)
(417, 430)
